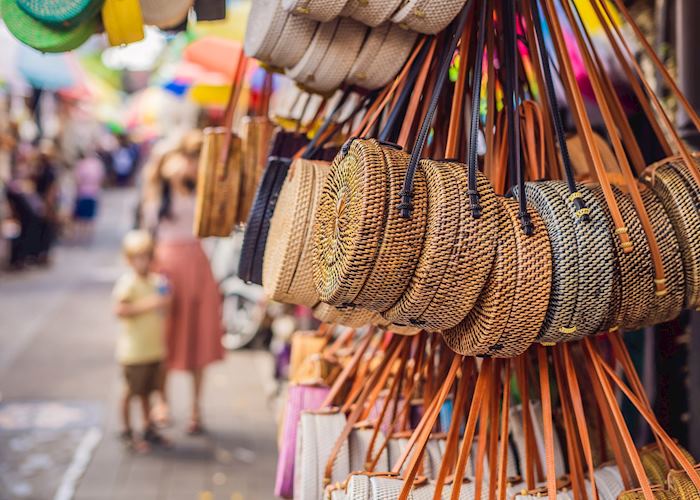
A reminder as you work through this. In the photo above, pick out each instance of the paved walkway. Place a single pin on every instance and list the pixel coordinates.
(58, 380)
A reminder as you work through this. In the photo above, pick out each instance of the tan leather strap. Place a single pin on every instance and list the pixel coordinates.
(230, 112)
(613, 407)
(414, 102)
(482, 384)
(342, 341)
(349, 369)
(548, 425)
(532, 137)
(650, 418)
(421, 439)
(489, 163)
(579, 111)
(531, 455)
(493, 427)
(579, 414)
(455, 125)
(503, 451)
(360, 379)
(602, 97)
(483, 428)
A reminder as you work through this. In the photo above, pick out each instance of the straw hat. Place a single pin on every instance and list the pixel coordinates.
(40, 36)
(61, 13)
(165, 13)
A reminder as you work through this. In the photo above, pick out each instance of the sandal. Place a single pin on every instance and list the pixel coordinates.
(131, 444)
(152, 436)
(195, 428)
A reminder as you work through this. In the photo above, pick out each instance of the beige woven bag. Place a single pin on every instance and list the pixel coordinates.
(427, 16)
(276, 37)
(382, 56)
(318, 10)
(287, 275)
(330, 55)
(371, 12)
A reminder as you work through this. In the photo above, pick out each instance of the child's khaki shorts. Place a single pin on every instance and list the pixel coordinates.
(143, 379)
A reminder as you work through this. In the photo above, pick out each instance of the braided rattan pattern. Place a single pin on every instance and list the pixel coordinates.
(533, 285)
(288, 233)
(596, 269)
(349, 222)
(372, 12)
(476, 334)
(305, 69)
(353, 318)
(265, 23)
(680, 484)
(677, 197)
(292, 42)
(457, 254)
(402, 238)
(560, 228)
(318, 10)
(634, 270)
(358, 486)
(382, 56)
(427, 16)
(339, 57)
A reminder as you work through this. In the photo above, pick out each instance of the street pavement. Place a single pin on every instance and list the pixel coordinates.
(59, 388)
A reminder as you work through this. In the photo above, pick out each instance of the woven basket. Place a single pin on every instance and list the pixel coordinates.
(634, 270)
(287, 275)
(371, 13)
(533, 285)
(330, 55)
(353, 318)
(427, 16)
(481, 330)
(596, 268)
(559, 323)
(680, 203)
(276, 37)
(61, 13)
(40, 36)
(667, 307)
(256, 133)
(347, 231)
(657, 490)
(382, 56)
(680, 484)
(318, 10)
(218, 185)
(165, 13)
(457, 253)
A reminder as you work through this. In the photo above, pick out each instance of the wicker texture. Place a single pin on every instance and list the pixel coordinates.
(60, 13)
(318, 10)
(477, 333)
(292, 42)
(340, 57)
(533, 286)
(266, 21)
(359, 442)
(596, 268)
(371, 12)
(457, 253)
(676, 194)
(382, 56)
(307, 66)
(559, 323)
(427, 16)
(165, 13)
(349, 222)
(289, 228)
(352, 317)
(680, 484)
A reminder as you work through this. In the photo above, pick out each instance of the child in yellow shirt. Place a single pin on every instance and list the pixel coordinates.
(142, 298)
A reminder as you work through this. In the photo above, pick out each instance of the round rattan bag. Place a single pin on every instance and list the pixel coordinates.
(318, 10)
(680, 200)
(457, 254)
(354, 318)
(364, 252)
(427, 16)
(287, 275)
(371, 13)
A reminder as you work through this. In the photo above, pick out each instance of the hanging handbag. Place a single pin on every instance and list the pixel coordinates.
(318, 10)
(165, 14)
(122, 21)
(427, 16)
(371, 13)
(210, 10)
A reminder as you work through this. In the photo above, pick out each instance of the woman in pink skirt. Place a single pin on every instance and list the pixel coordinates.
(194, 329)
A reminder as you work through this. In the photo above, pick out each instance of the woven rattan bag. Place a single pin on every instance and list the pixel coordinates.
(427, 16)
(318, 10)
(381, 57)
(287, 274)
(330, 55)
(218, 183)
(276, 37)
(371, 13)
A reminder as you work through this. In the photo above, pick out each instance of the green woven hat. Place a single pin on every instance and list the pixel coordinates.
(40, 36)
(61, 13)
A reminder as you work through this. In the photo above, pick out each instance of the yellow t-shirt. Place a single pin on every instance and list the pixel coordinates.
(142, 337)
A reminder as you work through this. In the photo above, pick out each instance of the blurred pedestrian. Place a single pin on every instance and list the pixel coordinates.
(45, 177)
(194, 329)
(124, 160)
(142, 299)
(89, 175)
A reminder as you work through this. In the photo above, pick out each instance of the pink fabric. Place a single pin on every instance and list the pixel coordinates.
(194, 330)
(89, 174)
(299, 398)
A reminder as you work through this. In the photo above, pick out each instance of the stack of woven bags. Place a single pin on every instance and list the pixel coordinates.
(321, 44)
(63, 25)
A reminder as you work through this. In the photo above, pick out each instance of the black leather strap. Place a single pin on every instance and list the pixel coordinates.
(406, 206)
